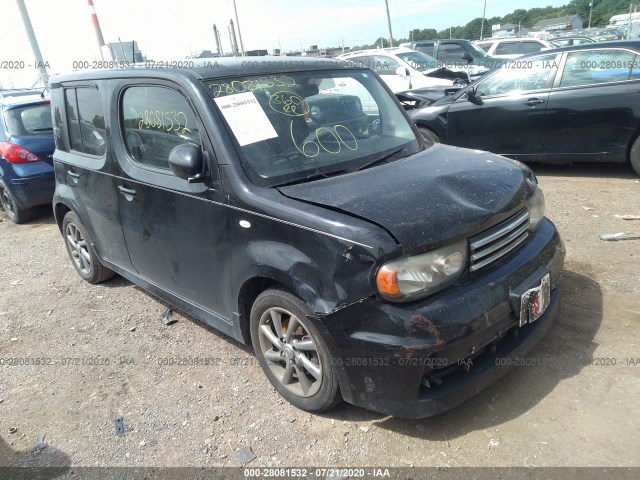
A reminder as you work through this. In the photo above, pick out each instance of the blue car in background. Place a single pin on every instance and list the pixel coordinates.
(26, 149)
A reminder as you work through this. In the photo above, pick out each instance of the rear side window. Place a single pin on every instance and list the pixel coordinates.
(85, 118)
(384, 65)
(29, 120)
(450, 52)
(425, 48)
(517, 48)
(156, 120)
(593, 67)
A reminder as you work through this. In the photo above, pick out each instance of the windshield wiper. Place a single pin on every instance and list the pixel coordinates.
(312, 177)
(379, 160)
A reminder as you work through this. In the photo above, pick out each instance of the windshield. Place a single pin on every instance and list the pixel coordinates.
(480, 51)
(305, 125)
(420, 61)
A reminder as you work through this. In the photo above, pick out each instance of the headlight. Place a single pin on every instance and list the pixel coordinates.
(420, 275)
(536, 209)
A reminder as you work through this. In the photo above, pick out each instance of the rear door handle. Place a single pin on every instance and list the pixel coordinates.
(127, 192)
(73, 174)
(532, 102)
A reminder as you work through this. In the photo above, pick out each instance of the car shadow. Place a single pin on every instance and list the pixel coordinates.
(600, 170)
(41, 464)
(566, 349)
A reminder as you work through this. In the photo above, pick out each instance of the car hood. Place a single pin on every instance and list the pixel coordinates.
(431, 198)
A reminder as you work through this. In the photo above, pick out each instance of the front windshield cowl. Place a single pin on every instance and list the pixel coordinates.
(311, 124)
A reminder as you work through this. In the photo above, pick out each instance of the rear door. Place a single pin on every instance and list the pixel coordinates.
(175, 230)
(508, 116)
(84, 166)
(594, 108)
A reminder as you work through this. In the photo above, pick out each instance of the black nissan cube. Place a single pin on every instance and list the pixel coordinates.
(292, 205)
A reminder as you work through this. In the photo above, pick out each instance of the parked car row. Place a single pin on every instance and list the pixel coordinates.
(26, 148)
(577, 103)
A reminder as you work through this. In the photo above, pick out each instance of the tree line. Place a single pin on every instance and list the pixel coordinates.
(602, 11)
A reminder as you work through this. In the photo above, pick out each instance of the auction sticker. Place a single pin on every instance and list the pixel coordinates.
(246, 118)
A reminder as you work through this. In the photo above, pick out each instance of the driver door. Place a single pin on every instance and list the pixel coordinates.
(174, 230)
(507, 114)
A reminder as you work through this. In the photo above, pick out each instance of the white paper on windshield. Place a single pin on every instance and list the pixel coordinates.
(246, 118)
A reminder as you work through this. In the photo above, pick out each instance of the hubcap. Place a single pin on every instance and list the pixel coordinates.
(290, 352)
(78, 249)
(7, 204)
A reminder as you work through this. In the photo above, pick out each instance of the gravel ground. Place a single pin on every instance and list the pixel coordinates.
(576, 405)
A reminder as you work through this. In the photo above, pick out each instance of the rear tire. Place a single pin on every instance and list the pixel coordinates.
(634, 155)
(10, 206)
(430, 138)
(292, 353)
(80, 249)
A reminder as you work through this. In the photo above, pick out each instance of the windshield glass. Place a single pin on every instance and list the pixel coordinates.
(305, 125)
(420, 61)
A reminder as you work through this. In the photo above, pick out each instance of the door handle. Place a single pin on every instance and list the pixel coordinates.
(532, 102)
(73, 174)
(127, 192)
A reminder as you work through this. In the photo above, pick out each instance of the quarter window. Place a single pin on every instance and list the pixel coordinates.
(593, 67)
(156, 120)
(85, 117)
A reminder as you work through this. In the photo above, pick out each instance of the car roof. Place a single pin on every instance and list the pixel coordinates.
(377, 51)
(630, 44)
(20, 101)
(205, 68)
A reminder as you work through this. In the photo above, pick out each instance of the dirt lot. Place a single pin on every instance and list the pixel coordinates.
(577, 405)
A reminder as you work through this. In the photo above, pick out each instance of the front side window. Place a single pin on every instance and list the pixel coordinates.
(303, 125)
(155, 120)
(527, 74)
(85, 117)
(597, 66)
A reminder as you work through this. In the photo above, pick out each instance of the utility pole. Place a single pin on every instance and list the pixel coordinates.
(386, 2)
(629, 27)
(44, 76)
(238, 25)
(484, 11)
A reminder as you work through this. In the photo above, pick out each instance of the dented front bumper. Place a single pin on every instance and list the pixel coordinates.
(422, 358)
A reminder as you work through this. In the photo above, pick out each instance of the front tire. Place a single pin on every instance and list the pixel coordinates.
(634, 155)
(81, 251)
(10, 206)
(292, 353)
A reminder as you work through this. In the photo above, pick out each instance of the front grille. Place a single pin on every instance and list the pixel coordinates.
(493, 244)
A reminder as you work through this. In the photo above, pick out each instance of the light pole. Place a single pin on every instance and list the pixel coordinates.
(238, 25)
(386, 3)
(590, 11)
(484, 11)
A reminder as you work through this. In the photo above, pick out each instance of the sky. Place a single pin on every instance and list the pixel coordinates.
(173, 30)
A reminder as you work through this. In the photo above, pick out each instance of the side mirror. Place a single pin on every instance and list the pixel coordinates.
(186, 163)
(402, 72)
(472, 95)
(467, 56)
